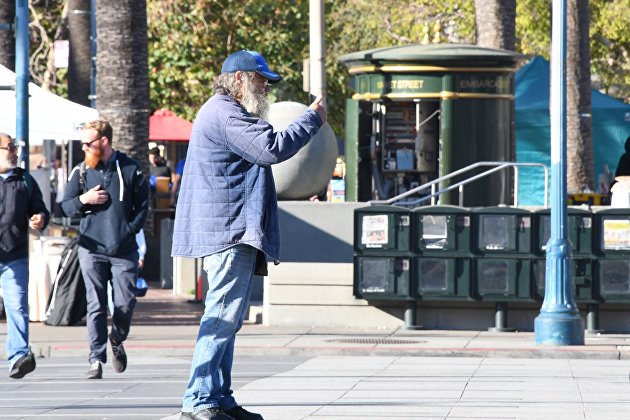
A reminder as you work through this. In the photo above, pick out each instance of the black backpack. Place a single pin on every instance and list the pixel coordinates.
(67, 304)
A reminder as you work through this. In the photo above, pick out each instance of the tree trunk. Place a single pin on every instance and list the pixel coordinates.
(80, 55)
(495, 21)
(122, 80)
(7, 37)
(579, 130)
(122, 90)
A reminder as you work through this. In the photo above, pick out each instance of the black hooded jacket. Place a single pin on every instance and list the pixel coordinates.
(109, 228)
(17, 205)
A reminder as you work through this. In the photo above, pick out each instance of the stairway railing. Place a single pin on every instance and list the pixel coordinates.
(495, 167)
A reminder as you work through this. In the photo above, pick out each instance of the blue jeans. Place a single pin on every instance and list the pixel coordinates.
(230, 275)
(14, 282)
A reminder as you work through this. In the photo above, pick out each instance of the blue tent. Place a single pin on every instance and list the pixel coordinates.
(611, 127)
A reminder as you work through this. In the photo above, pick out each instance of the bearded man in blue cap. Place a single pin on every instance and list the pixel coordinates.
(227, 214)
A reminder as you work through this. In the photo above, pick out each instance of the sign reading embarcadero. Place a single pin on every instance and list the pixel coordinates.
(484, 84)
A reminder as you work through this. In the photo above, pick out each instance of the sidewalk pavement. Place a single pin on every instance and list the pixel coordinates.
(299, 373)
(165, 325)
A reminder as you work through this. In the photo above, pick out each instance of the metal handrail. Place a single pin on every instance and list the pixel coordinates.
(497, 166)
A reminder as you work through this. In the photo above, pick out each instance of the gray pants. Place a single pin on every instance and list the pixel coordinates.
(97, 270)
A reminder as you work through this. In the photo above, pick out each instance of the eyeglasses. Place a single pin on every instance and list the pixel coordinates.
(88, 143)
(10, 147)
(261, 80)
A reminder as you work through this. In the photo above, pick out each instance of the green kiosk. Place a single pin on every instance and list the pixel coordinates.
(420, 112)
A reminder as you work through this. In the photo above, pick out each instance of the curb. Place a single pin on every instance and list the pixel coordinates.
(186, 350)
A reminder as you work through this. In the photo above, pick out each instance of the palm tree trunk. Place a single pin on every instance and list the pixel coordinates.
(80, 54)
(7, 37)
(579, 130)
(122, 79)
(122, 90)
(495, 22)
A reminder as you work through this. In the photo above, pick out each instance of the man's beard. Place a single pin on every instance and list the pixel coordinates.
(7, 165)
(93, 156)
(254, 101)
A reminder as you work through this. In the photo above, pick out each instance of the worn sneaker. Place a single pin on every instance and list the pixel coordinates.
(119, 361)
(23, 366)
(206, 414)
(95, 372)
(239, 413)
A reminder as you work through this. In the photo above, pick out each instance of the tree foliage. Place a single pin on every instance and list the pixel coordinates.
(610, 47)
(609, 40)
(189, 40)
(48, 24)
(355, 25)
(533, 27)
(7, 41)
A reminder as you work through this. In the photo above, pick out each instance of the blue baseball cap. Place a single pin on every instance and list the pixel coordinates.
(245, 60)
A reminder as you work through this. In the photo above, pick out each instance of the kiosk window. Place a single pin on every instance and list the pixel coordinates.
(375, 231)
(616, 234)
(434, 231)
(375, 275)
(496, 232)
(546, 232)
(494, 277)
(433, 275)
(615, 277)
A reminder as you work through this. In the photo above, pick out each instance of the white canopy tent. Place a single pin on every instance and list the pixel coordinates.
(50, 116)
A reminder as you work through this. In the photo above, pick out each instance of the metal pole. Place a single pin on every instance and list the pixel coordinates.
(22, 74)
(592, 319)
(445, 162)
(515, 186)
(317, 48)
(411, 314)
(501, 318)
(559, 322)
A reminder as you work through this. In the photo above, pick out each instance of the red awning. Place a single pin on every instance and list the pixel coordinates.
(164, 125)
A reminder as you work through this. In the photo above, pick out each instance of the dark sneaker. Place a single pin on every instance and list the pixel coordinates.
(95, 372)
(206, 414)
(23, 366)
(119, 361)
(239, 413)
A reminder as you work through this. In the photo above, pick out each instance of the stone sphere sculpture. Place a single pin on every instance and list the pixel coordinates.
(309, 171)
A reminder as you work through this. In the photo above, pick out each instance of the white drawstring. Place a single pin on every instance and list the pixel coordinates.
(76, 168)
(120, 178)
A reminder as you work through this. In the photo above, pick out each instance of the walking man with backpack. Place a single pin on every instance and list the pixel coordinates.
(22, 207)
(111, 194)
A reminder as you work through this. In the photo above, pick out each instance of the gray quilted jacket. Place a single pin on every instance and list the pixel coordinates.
(227, 193)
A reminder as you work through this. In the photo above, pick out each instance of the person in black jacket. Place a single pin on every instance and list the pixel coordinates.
(22, 207)
(623, 166)
(111, 194)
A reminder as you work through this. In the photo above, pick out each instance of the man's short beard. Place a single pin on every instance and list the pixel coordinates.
(93, 157)
(6, 166)
(254, 101)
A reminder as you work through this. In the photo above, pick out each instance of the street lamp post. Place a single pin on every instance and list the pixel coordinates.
(22, 74)
(559, 322)
(317, 47)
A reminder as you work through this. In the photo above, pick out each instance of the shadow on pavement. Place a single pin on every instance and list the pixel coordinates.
(160, 307)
